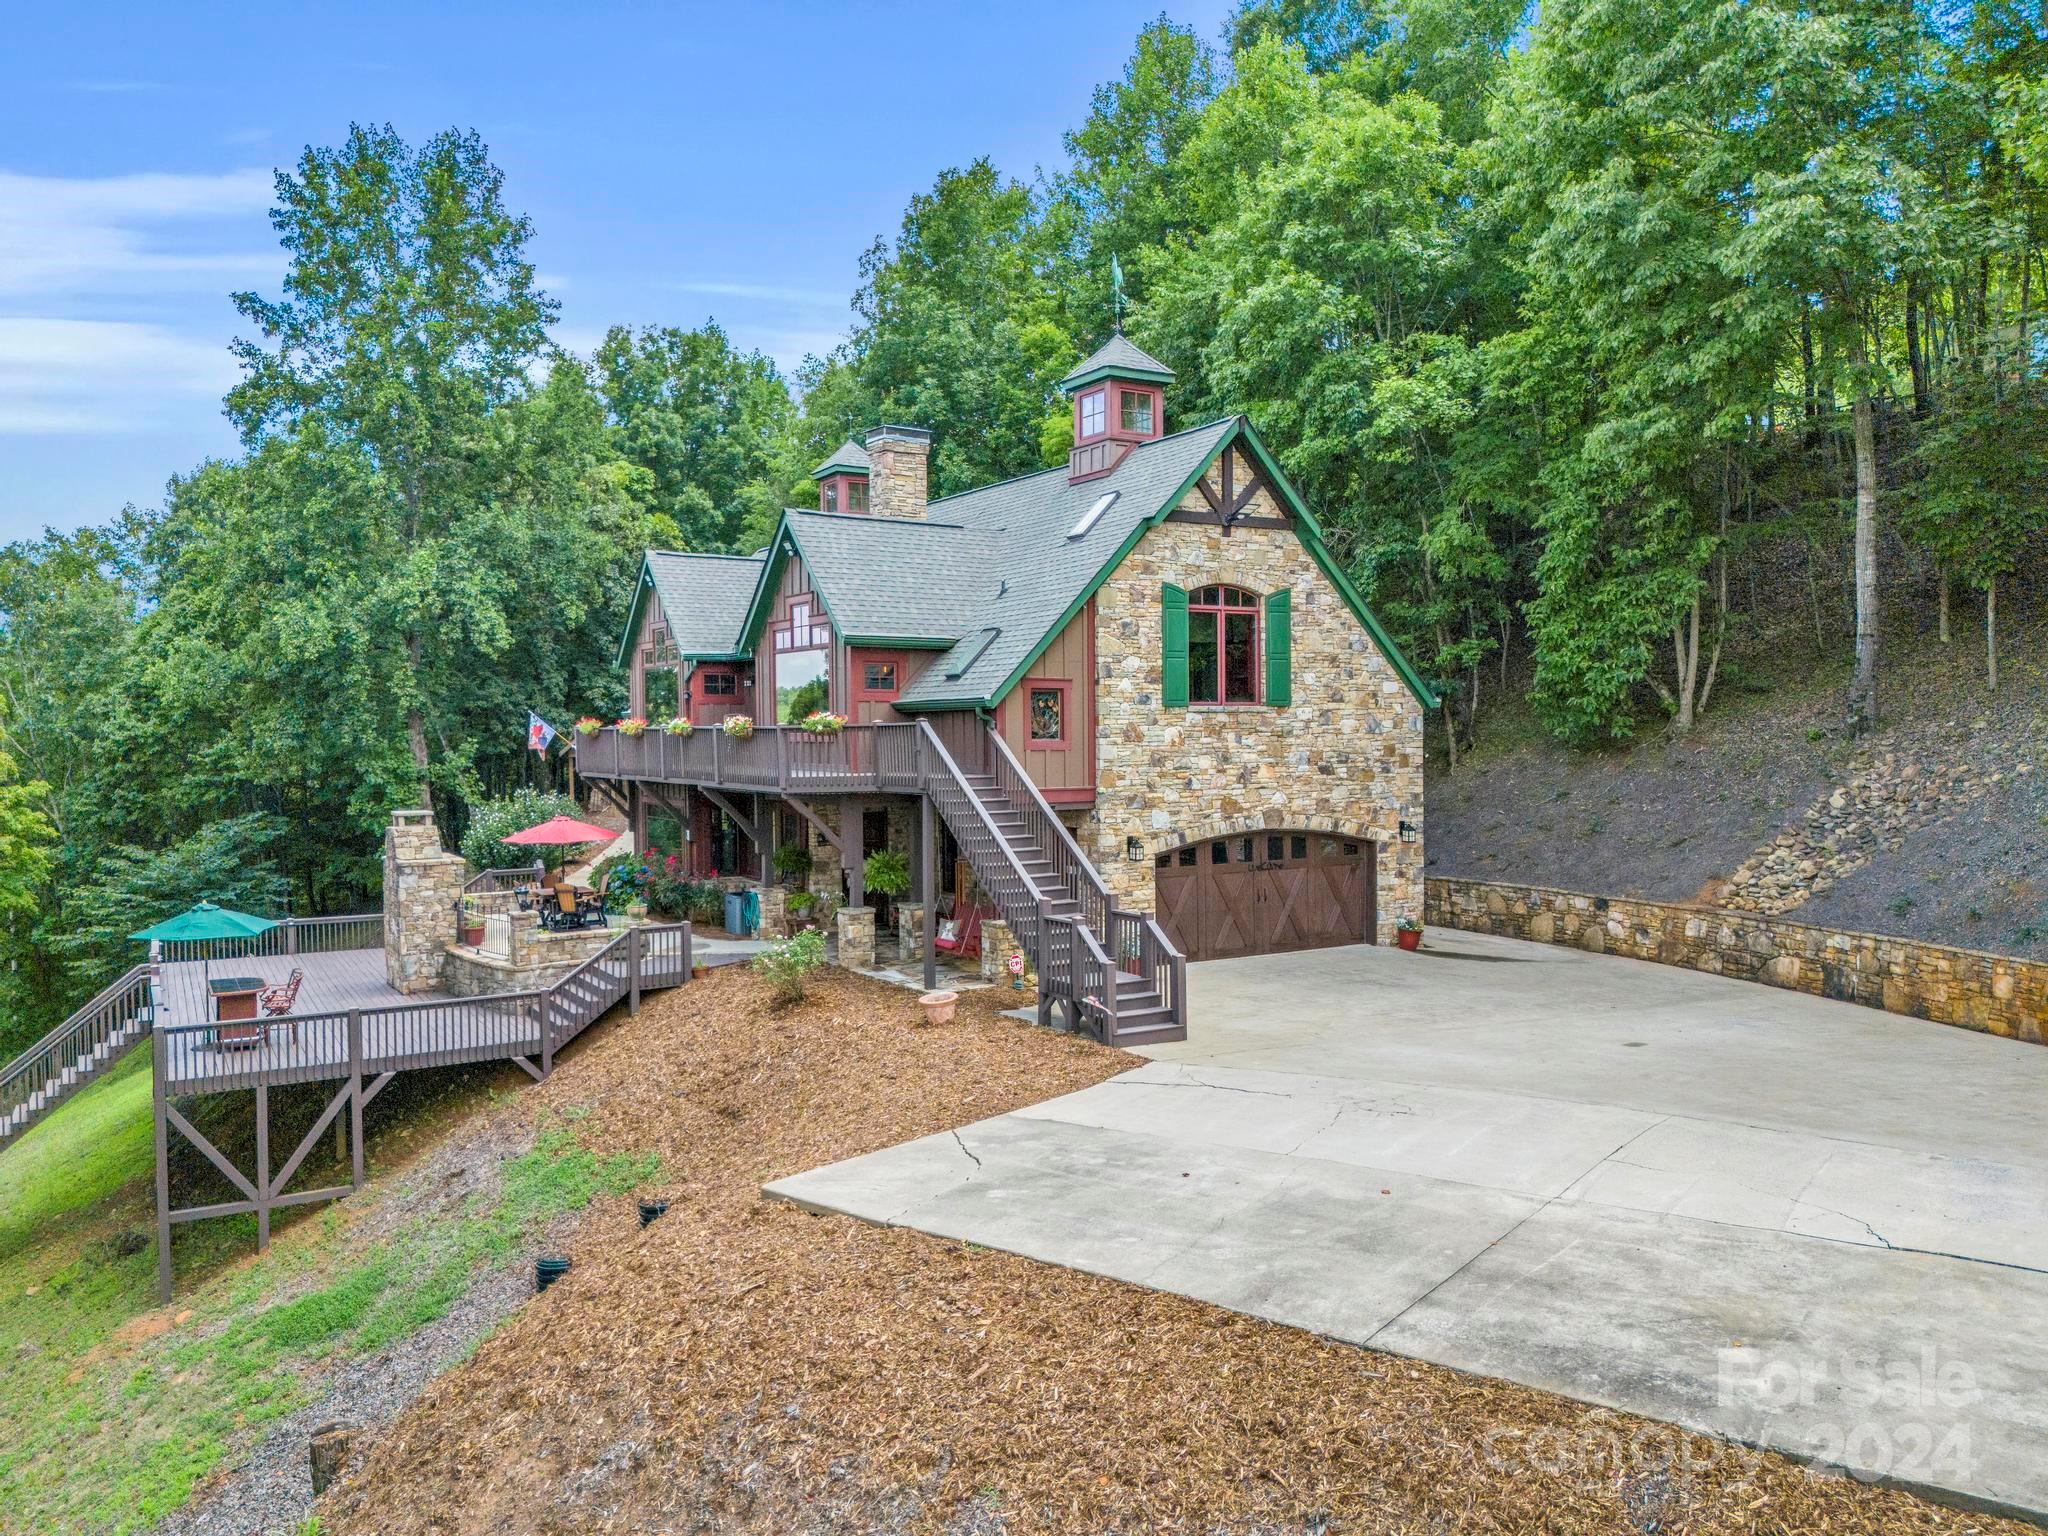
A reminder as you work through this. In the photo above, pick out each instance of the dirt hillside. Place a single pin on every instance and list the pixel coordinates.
(1935, 826)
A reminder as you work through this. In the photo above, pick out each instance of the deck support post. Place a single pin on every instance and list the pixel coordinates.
(927, 892)
(355, 1095)
(547, 1044)
(262, 1167)
(853, 852)
(636, 817)
(1043, 948)
(159, 1069)
(632, 971)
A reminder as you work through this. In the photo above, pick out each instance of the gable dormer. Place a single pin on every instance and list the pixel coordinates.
(843, 480)
(1119, 395)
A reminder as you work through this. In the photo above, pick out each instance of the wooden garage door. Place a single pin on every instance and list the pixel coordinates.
(1262, 892)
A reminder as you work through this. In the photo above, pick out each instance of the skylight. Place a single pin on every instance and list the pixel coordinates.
(1094, 514)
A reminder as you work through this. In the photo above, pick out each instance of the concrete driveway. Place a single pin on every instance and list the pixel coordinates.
(1790, 1222)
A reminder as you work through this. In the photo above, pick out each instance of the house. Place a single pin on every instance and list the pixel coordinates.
(1142, 708)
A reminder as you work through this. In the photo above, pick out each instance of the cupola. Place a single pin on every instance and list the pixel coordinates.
(1119, 394)
(843, 480)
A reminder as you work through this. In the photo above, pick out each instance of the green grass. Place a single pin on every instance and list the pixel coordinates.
(106, 1428)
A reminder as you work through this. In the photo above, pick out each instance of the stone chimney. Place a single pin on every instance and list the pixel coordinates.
(898, 484)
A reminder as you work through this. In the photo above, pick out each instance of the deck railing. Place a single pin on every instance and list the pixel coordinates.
(988, 853)
(856, 758)
(292, 936)
(491, 882)
(436, 1032)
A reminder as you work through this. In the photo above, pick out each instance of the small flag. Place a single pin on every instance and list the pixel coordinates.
(539, 734)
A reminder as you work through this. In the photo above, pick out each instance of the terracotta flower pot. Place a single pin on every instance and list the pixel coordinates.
(939, 1006)
(473, 937)
(1408, 938)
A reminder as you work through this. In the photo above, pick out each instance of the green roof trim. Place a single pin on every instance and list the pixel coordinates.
(849, 458)
(1081, 381)
(1311, 535)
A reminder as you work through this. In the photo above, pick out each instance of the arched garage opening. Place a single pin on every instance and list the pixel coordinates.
(1256, 893)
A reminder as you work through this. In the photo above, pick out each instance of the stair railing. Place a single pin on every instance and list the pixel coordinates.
(1071, 868)
(989, 854)
(109, 1014)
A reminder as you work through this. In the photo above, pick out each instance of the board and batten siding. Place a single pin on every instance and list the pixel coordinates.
(1063, 770)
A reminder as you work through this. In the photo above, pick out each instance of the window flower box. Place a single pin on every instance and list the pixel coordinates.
(738, 727)
(589, 725)
(633, 725)
(824, 723)
(677, 726)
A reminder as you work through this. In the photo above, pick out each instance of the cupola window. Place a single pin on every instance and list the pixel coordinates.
(1093, 413)
(1137, 412)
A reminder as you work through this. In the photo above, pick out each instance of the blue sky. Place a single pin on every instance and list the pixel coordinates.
(678, 162)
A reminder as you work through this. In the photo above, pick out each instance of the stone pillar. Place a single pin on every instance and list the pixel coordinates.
(898, 473)
(422, 885)
(996, 943)
(774, 913)
(909, 930)
(522, 928)
(856, 938)
(824, 877)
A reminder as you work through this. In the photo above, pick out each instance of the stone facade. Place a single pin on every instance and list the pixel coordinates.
(1345, 757)
(774, 913)
(422, 885)
(1969, 988)
(532, 958)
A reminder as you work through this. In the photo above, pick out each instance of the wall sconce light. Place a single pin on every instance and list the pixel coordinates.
(1410, 832)
(1134, 849)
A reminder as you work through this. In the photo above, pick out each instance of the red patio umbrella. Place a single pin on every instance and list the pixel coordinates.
(561, 832)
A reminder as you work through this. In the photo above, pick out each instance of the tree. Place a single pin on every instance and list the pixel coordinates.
(409, 313)
(704, 419)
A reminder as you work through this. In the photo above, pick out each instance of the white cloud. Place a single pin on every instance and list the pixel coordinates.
(120, 235)
(102, 376)
(808, 298)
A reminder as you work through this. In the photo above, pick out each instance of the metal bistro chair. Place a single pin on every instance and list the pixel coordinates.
(275, 1002)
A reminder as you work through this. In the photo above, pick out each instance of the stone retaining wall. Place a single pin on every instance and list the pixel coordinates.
(1997, 994)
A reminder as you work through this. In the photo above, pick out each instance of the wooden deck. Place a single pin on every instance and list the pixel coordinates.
(312, 1042)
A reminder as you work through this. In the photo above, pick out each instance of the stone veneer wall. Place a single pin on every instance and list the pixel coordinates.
(422, 884)
(1970, 988)
(1345, 757)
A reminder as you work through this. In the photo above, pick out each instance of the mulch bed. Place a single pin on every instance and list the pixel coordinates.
(743, 1365)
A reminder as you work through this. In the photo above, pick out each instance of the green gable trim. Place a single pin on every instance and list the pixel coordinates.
(904, 642)
(841, 467)
(641, 589)
(786, 543)
(1313, 537)
(1110, 371)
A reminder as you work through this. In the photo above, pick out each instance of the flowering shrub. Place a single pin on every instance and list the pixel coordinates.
(738, 727)
(823, 723)
(633, 725)
(589, 725)
(676, 725)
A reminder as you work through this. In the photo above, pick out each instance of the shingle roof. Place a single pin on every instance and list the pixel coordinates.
(1030, 571)
(891, 577)
(704, 598)
(1117, 356)
(849, 457)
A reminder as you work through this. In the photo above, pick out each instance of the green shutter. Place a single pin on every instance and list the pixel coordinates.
(1280, 648)
(1173, 628)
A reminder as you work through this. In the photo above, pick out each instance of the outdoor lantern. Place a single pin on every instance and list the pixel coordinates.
(1134, 849)
(1409, 833)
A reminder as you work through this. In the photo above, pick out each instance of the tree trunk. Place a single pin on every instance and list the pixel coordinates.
(1685, 644)
(1991, 633)
(1941, 580)
(1863, 690)
(1916, 359)
(416, 724)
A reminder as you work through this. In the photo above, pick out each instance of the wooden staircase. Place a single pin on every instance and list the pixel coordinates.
(75, 1052)
(1113, 972)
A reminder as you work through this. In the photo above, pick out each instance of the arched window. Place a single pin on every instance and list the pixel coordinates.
(1223, 646)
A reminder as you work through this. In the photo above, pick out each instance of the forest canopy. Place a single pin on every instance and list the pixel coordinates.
(1580, 327)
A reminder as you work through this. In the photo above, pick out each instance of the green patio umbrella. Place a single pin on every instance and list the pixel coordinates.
(207, 921)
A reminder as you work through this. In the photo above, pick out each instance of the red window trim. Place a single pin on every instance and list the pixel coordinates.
(1138, 394)
(870, 690)
(1253, 608)
(1065, 688)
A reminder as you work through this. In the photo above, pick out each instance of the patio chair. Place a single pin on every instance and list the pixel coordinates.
(965, 941)
(279, 999)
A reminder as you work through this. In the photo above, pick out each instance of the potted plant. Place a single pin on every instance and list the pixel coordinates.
(589, 725)
(939, 1006)
(633, 725)
(738, 727)
(799, 908)
(1408, 933)
(886, 872)
(472, 922)
(823, 723)
(676, 725)
(793, 863)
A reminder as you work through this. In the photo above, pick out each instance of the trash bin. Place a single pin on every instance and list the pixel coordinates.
(750, 913)
(735, 913)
